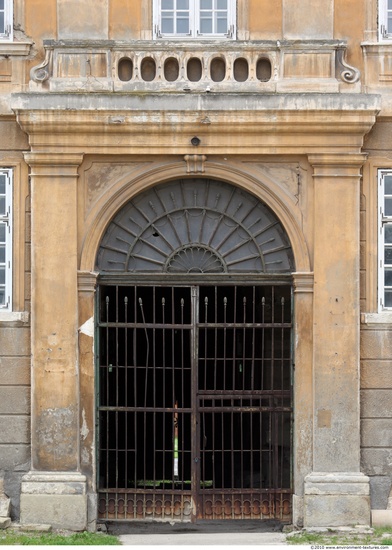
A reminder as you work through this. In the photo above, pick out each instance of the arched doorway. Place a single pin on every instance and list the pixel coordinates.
(194, 371)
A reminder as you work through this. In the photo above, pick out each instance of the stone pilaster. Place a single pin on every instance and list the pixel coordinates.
(86, 294)
(336, 493)
(303, 389)
(54, 489)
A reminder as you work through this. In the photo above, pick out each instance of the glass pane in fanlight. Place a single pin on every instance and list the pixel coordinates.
(206, 4)
(222, 4)
(183, 4)
(2, 184)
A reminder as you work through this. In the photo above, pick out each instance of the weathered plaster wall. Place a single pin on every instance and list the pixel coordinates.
(376, 335)
(14, 408)
(376, 411)
(15, 331)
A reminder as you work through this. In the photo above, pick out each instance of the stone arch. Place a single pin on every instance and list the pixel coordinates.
(268, 192)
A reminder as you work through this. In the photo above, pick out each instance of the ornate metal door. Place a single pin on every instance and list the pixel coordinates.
(194, 359)
(195, 401)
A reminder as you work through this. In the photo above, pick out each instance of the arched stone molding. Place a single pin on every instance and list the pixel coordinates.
(267, 190)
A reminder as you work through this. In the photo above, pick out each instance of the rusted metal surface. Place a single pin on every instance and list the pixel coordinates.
(195, 402)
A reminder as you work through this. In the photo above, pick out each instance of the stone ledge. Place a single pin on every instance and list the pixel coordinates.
(50, 483)
(55, 477)
(381, 518)
(12, 316)
(382, 318)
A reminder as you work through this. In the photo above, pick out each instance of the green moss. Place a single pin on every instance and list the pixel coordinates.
(11, 537)
(378, 537)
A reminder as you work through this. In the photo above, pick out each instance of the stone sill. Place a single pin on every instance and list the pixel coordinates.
(381, 318)
(15, 48)
(13, 316)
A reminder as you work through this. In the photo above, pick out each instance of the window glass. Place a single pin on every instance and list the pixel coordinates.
(2, 264)
(5, 238)
(193, 18)
(388, 233)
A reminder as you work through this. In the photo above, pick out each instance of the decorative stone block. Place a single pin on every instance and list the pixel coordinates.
(336, 500)
(58, 499)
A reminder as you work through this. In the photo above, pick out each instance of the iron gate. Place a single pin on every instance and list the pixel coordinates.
(194, 402)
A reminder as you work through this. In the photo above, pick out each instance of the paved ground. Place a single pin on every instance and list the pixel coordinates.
(202, 533)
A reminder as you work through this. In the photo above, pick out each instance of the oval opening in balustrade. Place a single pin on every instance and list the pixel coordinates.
(218, 69)
(171, 69)
(194, 69)
(263, 69)
(125, 69)
(148, 69)
(241, 69)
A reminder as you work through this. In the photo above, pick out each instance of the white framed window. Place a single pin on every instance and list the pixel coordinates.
(385, 239)
(385, 19)
(6, 19)
(195, 19)
(5, 239)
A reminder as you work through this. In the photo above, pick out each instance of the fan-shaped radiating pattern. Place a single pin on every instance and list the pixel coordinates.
(195, 226)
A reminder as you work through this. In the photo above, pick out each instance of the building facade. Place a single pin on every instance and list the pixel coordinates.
(195, 260)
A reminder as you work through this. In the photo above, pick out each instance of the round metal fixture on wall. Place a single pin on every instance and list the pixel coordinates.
(195, 226)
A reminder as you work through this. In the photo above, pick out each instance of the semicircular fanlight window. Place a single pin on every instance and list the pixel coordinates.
(195, 226)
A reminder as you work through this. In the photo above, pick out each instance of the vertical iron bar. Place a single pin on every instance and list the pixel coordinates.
(195, 423)
(252, 376)
(107, 393)
(154, 386)
(117, 385)
(242, 368)
(234, 339)
(205, 341)
(282, 397)
(224, 340)
(126, 452)
(163, 302)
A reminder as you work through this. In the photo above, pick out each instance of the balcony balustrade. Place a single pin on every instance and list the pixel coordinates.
(235, 67)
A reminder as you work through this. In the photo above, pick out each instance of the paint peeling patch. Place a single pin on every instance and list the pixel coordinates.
(88, 328)
(84, 431)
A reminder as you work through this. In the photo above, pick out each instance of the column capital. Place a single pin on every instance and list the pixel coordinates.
(340, 164)
(303, 282)
(44, 164)
(87, 281)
